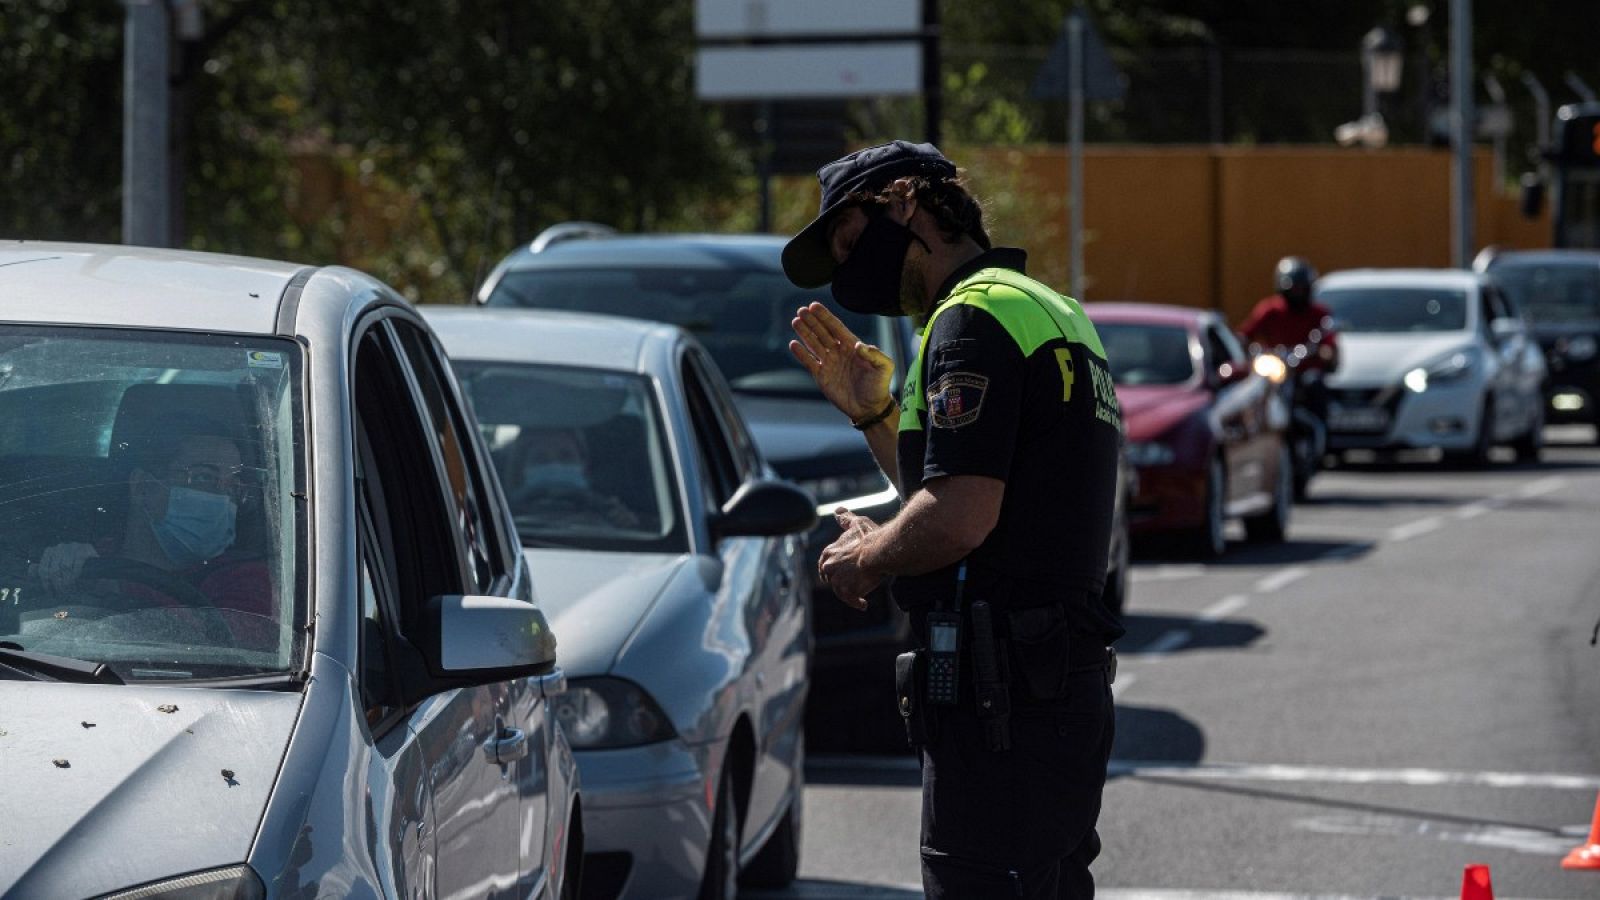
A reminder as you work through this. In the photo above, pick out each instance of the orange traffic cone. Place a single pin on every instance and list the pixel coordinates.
(1475, 883)
(1587, 855)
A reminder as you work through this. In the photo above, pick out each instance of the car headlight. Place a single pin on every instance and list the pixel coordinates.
(855, 491)
(1150, 453)
(1443, 371)
(600, 713)
(1580, 348)
(230, 883)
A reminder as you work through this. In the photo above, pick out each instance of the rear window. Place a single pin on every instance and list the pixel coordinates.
(1146, 354)
(741, 316)
(1553, 293)
(1396, 310)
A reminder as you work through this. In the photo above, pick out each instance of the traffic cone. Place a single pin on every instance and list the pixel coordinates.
(1587, 855)
(1475, 883)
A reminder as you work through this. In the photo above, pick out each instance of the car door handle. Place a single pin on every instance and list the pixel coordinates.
(509, 745)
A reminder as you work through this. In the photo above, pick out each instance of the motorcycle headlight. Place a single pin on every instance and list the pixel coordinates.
(1580, 348)
(855, 491)
(1150, 453)
(230, 883)
(1270, 367)
(603, 713)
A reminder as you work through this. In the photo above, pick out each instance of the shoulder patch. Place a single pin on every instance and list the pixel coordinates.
(956, 399)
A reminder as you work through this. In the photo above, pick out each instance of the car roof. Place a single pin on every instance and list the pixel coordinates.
(140, 287)
(1420, 278)
(586, 340)
(1148, 314)
(1544, 258)
(760, 252)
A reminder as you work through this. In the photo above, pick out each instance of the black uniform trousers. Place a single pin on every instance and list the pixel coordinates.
(1018, 822)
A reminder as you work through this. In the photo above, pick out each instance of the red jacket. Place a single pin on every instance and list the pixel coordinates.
(1275, 323)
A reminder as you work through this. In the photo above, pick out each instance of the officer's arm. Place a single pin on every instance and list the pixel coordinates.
(883, 440)
(940, 525)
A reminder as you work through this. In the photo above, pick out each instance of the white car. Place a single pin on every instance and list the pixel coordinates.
(1431, 358)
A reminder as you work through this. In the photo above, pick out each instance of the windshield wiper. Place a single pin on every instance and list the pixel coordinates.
(57, 668)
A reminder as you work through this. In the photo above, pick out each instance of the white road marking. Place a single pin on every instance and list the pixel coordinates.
(1542, 486)
(1336, 775)
(1479, 507)
(1166, 643)
(1415, 529)
(1223, 608)
(1281, 579)
(1530, 839)
(1165, 573)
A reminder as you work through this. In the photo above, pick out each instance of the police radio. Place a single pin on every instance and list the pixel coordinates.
(944, 648)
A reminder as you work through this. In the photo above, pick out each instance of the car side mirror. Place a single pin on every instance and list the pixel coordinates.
(483, 639)
(1505, 327)
(765, 509)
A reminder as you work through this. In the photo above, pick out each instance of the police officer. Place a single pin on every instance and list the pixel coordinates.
(1003, 446)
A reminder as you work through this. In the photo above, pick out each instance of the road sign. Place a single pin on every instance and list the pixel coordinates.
(1102, 80)
(788, 18)
(808, 71)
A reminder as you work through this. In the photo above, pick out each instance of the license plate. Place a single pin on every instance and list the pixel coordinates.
(1358, 419)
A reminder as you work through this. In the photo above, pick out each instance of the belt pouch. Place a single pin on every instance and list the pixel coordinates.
(1039, 650)
(909, 674)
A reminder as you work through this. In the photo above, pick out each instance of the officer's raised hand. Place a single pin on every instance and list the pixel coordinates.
(851, 373)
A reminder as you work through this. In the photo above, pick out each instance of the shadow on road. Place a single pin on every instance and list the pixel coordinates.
(1145, 630)
(897, 770)
(1145, 734)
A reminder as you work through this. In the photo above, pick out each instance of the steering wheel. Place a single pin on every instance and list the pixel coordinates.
(121, 568)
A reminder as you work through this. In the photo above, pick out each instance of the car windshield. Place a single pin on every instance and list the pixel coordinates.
(1146, 354)
(1554, 293)
(742, 316)
(581, 453)
(1383, 310)
(148, 485)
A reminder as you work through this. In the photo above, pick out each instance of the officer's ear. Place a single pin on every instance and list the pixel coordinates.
(902, 201)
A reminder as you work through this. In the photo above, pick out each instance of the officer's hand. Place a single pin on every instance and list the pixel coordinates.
(840, 566)
(853, 375)
(60, 565)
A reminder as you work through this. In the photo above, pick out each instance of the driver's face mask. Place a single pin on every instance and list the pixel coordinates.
(198, 525)
(555, 475)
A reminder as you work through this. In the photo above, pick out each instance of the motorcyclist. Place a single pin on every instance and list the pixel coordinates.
(1290, 318)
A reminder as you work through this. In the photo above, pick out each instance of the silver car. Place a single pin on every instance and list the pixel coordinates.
(670, 562)
(264, 628)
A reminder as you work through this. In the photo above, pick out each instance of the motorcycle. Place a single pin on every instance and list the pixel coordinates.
(1301, 389)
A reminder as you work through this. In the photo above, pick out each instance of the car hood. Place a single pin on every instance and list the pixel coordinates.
(804, 437)
(127, 784)
(1374, 360)
(1149, 411)
(595, 600)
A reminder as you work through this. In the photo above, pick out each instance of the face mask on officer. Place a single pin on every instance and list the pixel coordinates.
(868, 281)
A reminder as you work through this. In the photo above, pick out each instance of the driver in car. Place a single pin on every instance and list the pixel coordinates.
(554, 465)
(185, 487)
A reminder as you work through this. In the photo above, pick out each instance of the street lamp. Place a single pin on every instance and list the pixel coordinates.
(1381, 62)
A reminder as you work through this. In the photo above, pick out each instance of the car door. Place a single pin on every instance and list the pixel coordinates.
(1505, 343)
(760, 586)
(1241, 412)
(437, 532)
(1523, 356)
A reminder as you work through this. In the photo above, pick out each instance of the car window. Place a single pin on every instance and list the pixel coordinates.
(746, 458)
(1554, 292)
(719, 472)
(474, 508)
(741, 316)
(148, 482)
(1396, 310)
(582, 455)
(416, 541)
(1146, 354)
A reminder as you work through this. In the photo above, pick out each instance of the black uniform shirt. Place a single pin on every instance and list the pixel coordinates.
(1012, 384)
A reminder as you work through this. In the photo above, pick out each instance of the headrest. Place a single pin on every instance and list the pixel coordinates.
(154, 416)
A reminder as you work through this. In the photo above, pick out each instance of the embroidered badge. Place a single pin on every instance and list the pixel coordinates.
(956, 399)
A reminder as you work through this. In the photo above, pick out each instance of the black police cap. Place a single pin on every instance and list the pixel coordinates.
(807, 259)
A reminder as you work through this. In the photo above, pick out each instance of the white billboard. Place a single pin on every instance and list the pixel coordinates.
(808, 71)
(779, 18)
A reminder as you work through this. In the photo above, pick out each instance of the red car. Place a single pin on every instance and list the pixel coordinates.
(1205, 430)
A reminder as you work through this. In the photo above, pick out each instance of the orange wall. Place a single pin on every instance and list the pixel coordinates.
(1203, 226)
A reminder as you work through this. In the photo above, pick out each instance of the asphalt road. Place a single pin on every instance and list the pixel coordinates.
(1404, 687)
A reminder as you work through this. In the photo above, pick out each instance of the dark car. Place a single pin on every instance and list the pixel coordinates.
(1205, 432)
(730, 291)
(1559, 292)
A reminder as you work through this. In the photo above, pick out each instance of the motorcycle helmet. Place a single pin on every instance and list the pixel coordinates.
(1293, 279)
